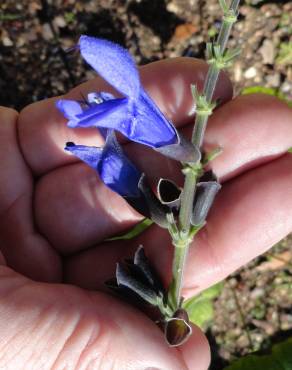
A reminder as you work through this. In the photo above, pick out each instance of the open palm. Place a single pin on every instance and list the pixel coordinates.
(56, 214)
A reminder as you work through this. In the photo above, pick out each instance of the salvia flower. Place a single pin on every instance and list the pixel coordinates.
(112, 165)
(135, 115)
(120, 175)
(207, 189)
(137, 276)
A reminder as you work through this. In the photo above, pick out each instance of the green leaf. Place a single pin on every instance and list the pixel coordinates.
(135, 231)
(285, 54)
(9, 16)
(69, 17)
(268, 91)
(214, 291)
(200, 307)
(280, 358)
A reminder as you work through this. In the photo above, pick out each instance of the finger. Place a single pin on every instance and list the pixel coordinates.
(252, 213)
(43, 131)
(247, 139)
(87, 210)
(84, 329)
(21, 246)
(251, 130)
(2, 259)
(191, 358)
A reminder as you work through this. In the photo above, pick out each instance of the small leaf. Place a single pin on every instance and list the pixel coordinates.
(214, 291)
(135, 231)
(223, 6)
(268, 91)
(280, 358)
(200, 307)
(285, 54)
(210, 156)
(200, 312)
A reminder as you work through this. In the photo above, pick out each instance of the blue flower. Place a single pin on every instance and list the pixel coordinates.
(135, 115)
(112, 165)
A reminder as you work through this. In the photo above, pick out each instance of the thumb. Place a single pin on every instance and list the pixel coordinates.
(196, 351)
(55, 326)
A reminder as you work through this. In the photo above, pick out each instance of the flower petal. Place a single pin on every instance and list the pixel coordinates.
(117, 171)
(113, 63)
(91, 155)
(109, 114)
(149, 126)
(70, 109)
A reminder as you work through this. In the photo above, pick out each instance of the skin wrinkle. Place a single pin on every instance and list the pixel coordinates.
(11, 148)
(19, 236)
(16, 197)
(92, 342)
(70, 320)
(62, 350)
(16, 341)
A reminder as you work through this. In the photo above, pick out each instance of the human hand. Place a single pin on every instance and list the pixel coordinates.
(56, 214)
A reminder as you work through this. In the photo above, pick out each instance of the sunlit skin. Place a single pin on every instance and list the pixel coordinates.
(55, 215)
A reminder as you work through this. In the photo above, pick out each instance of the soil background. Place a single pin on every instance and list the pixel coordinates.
(254, 308)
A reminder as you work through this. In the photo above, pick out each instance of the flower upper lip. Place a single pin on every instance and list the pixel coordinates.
(135, 115)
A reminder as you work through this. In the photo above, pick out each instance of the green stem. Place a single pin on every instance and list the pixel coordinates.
(226, 27)
(180, 257)
(188, 193)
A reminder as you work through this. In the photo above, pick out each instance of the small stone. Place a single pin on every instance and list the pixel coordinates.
(184, 31)
(257, 293)
(237, 71)
(47, 32)
(7, 41)
(59, 22)
(172, 7)
(20, 41)
(267, 51)
(286, 87)
(32, 35)
(274, 80)
(250, 73)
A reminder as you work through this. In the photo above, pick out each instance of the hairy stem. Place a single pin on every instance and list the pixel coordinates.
(180, 256)
(188, 193)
